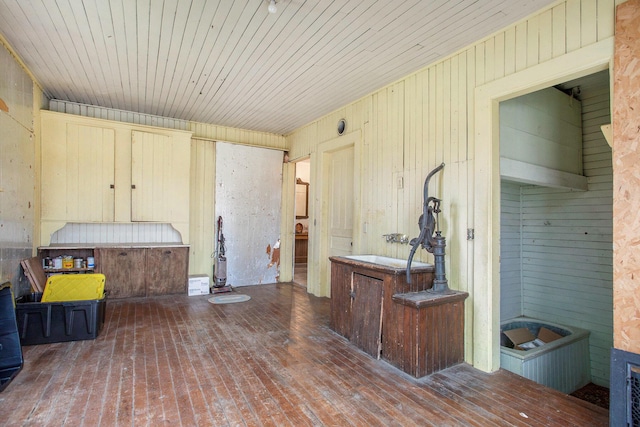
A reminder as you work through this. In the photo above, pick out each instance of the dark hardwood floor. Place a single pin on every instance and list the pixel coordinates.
(272, 361)
(300, 274)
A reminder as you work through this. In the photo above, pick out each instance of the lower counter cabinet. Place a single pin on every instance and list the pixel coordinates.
(167, 271)
(124, 270)
(139, 272)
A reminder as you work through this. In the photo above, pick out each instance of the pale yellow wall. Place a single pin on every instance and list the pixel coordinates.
(202, 210)
(429, 117)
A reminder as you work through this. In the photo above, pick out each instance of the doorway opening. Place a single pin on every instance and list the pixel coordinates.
(556, 228)
(301, 222)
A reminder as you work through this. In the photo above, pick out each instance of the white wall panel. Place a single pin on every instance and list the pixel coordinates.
(95, 233)
(510, 251)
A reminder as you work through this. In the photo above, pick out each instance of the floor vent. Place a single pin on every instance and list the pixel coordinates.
(634, 396)
(624, 409)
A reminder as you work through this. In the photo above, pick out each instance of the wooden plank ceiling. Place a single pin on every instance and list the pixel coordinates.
(231, 62)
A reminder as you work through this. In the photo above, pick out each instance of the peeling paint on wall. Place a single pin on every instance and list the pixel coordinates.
(275, 257)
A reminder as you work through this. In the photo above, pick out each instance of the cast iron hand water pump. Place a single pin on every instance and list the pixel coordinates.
(434, 244)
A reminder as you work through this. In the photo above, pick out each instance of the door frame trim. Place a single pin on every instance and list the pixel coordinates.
(319, 280)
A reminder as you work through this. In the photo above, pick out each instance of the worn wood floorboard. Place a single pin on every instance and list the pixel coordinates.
(271, 361)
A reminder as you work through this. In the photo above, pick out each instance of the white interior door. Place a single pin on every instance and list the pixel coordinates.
(248, 198)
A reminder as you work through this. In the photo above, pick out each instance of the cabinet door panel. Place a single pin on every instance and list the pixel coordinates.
(366, 314)
(340, 318)
(159, 177)
(167, 270)
(92, 172)
(77, 172)
(124, 270)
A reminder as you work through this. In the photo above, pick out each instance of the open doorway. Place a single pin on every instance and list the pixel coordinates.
(483, 329)
(301, 224)
(556, 231)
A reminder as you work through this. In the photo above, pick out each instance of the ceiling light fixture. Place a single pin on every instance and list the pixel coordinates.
(272, 6)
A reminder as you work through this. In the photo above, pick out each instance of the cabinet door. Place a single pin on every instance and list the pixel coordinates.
(159, 178)
(167, 270)
(366, 314)
(340, 316)
(124, 270)
(77, 171)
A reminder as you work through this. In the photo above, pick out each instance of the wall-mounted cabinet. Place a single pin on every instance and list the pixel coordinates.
(159, 177)
(78, 173)
(96, 170)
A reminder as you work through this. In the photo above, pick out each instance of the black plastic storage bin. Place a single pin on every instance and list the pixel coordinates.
(10, 350)
(49, 322)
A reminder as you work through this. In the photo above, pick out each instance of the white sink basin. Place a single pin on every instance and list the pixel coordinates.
(386, 261)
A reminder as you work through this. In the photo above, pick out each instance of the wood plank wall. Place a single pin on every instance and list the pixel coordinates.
(510, 251)
(202, 208)
(427, 118)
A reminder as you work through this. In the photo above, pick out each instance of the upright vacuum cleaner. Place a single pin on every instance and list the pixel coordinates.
(220, 264)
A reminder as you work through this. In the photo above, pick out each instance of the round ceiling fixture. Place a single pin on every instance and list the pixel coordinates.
(342, 126)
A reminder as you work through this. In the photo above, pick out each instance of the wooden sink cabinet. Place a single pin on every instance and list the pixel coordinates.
(362, 305)
(412, 329)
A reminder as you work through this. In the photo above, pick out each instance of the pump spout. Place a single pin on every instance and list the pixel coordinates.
(434, 244)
